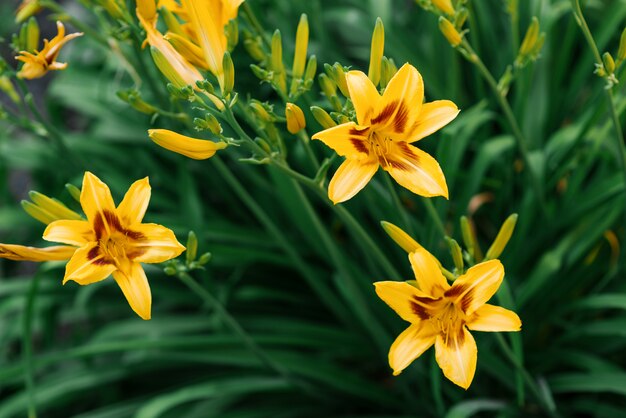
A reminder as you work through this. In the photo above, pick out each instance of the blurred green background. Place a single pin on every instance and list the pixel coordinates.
(92, 357)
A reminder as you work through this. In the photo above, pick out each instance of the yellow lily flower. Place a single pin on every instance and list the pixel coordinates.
(114, 241)
(386, 127)
(442, 315)
(38, 64)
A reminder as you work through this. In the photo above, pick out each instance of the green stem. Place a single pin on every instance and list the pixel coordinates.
(510, 117)
(306, 143)
(254, 22)
(241, 333)
(27, 341)
(432, 212)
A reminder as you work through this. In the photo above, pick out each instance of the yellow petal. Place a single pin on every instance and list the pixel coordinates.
(70, 232)
(134, 285)
(408, 301)
(229, 9)
(198, 149)
(494, 318)
(95, 197)
(153, 243)
(416, 170)
(363, 94)
(207, 24)
(22, 253)
(433, 116)
(456, 354)
(350, 178)
(427, 273)
(135, 202)
(477, 285)
(347, 140)
(401, 103)
(410, 345)
(88, 265)
(190, 51)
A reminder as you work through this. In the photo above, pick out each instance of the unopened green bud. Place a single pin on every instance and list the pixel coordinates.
(171, 22)
(170, 270)
(276, 62)
(192, 247)
(302, 42)
(339, 76)
(37, 212)
(31, 39)
(457, 254)
(213, 124)
(609, 64)
(26, 10)
(113, 8)
(229, 74)
(261, 111)
(400, 237)
(450, 32)
(204, 259)
(502, 238)
(460, 18)
(253, 46)
(322, 117)
(309, 72)
(260, 72)
(388, 70)
(530, 39)
(621, 51)
(231, 30)
(469, 238)
(166, 68)
(53, 206)
(376, 53)
(7, 86)
(205, 85)
(73, 191)
(329, 88)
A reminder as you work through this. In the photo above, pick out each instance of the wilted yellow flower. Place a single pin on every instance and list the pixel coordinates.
(442, 315)
(295, 118)
(386, 127)
(38, 64)
(114, 241)
(198, 149)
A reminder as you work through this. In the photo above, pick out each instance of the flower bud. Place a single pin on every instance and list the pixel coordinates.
(302, 42)
(309, 72)
(37, 213)
(329, 88)
(322, 117)
(190, 51)
(198, 149)
(229, 74)
(621, 52)
(450, 32)
(31, 38)
(73, 191)
(231, 30)
(376, 53)
(530, 39)
(192, 247)
(253, 46)
(27, 9)
(261, 111)
(444, 6)
(279, 79)
(457, 254)
(295, 118)
(460, 18)
(502, 238)
(400, 237)
(7, 87)
(171, 22)
(609, 64)
(388, 70)
(469, 238)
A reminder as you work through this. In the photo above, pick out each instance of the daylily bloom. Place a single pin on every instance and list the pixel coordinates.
(386, 127)
(442, 315)
(114, 241)
(38, 64)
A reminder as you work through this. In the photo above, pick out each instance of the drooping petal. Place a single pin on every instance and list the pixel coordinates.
(152, 243)
(416, 170)
(401, 103)
(70, 232)
(477, 285)
(95, 198)
(433, 116)
(23, 253)
(494, 318)
(456, 354)
(410, 303)
(133, 207)
(410, 345)
(198, 149)
(134, 284)
(428, 273)
(363, 94)
(350, 178)
(88, 265)
(347, 140)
